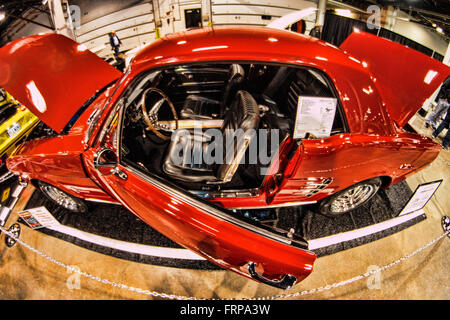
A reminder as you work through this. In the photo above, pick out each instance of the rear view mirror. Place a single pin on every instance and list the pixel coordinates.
(105, 161)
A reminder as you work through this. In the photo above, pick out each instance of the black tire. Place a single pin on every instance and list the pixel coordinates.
(62, 198)
(345, 201)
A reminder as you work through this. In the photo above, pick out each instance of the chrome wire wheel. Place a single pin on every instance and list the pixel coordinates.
(350, 198)
(61, 198)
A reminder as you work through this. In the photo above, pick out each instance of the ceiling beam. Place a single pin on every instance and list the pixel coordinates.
(431, 13)
(28, 20)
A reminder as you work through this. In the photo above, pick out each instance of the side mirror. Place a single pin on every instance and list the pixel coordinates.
(105, 161)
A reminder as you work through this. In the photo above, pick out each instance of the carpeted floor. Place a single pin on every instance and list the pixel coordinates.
(113, 221)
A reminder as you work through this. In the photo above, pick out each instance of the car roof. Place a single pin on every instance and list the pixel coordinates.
(241, 43)
(253, 43)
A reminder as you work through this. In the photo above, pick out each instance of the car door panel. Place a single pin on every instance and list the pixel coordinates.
(205, 229)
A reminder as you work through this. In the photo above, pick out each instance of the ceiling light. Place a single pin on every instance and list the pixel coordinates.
(439, 29)
(343, 12)
(2, 16)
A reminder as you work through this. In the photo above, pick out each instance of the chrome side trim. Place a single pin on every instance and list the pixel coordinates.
(103, 201)
(226, 193)
(288, 204)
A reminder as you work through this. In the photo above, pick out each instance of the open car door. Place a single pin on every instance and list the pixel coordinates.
(246, 247)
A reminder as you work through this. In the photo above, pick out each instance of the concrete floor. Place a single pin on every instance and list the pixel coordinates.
(25, 275)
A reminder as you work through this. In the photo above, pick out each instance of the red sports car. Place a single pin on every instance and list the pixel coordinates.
(207, 125)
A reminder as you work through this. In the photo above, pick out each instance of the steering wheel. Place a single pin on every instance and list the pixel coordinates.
(151, 117)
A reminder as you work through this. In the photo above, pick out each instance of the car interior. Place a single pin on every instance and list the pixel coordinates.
(175, 118)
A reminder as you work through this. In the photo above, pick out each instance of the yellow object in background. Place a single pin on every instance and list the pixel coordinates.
(16, 122)
(5, 194)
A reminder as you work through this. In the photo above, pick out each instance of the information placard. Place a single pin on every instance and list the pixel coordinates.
(37, 218)
(315, 115)
(421, 196)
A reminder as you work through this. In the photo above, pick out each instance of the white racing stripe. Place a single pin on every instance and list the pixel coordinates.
(362, 232)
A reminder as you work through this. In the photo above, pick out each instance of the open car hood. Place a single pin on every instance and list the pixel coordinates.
(404, 77)
(53, 76)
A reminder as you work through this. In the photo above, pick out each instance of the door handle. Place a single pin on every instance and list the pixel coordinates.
(285, 283)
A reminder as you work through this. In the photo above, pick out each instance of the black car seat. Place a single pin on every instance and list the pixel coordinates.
(201, 108)
(180, 162)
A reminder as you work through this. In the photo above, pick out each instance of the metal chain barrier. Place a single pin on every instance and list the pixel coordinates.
(444, 161)
(360, 277)
(177, 297)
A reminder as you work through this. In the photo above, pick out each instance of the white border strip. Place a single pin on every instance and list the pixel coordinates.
(362, 232)
(184, 254)
(163, 252)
